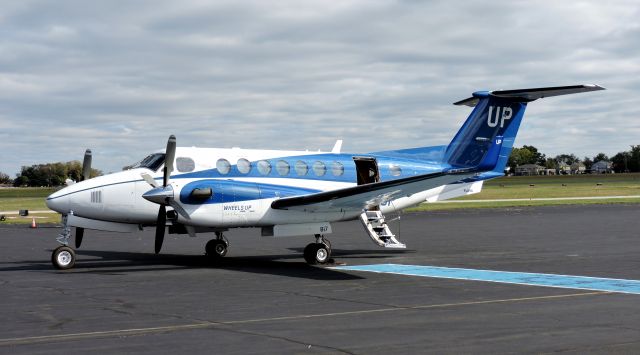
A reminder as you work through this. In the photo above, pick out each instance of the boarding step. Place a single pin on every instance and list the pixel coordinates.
(378, 230)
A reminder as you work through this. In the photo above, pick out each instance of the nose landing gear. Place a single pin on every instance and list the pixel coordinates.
(63, 257)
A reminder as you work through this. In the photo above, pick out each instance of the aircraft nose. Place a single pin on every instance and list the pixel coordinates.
(58, 201)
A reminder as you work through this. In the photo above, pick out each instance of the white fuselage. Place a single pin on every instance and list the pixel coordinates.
(117, 197)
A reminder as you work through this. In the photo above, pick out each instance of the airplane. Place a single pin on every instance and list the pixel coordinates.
(292, 193)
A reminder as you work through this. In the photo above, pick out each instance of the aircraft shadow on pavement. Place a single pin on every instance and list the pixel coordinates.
(118, 262)
(342, 254)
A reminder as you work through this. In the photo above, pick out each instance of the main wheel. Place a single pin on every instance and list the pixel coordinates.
(63, 258)
(316, 253)
(216, 248)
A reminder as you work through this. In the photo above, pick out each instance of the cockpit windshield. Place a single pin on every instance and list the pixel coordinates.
(153, 162)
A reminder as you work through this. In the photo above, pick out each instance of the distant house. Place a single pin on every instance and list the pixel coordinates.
(578, 168)
(564, 168)
(530, 169)
(571, 169)
(602, 167)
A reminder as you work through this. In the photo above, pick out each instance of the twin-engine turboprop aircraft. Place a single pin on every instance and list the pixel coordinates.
(289, 193)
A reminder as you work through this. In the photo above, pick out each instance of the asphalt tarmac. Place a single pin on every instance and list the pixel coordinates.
(263, 298)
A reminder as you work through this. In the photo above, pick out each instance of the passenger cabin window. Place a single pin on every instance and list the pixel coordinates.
(244, 166)
(152, 162)
(185, 164)
(223, 166)
(395, 170)
(282, 167)
(337, 169)
(264, 167)
(301, 168)
(319, 168)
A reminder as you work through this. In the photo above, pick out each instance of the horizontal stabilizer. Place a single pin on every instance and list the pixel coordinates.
(528, 95)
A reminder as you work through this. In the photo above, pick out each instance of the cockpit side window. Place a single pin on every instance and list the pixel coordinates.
(152, 162)
(185, 164)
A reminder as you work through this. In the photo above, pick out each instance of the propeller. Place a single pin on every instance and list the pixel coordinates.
(86, 165)
(163, 195)
(86, 173)
(160, 228)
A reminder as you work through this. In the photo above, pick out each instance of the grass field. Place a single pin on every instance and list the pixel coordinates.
(533, 187)
(509, 187)
(20, 198)
(32, 199)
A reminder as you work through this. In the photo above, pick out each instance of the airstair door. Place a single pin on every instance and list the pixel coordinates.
(366, 170)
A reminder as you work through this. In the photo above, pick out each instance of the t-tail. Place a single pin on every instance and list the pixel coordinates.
(486, 138)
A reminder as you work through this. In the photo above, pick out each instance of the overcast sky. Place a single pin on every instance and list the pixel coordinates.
(120, 76)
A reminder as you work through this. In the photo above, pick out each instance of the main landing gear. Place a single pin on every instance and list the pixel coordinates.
(318, 252)
(63, 257)
(217, 248)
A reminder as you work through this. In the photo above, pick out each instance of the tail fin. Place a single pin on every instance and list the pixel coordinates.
(486, 138)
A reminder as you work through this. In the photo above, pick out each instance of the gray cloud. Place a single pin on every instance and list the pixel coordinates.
(120, 76)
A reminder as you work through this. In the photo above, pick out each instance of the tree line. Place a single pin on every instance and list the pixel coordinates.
(50, 175)
(627, 161)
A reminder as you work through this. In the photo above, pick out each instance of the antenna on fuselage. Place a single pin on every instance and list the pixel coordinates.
(337, 147)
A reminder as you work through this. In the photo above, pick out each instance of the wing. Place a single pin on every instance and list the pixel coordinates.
(365, 196)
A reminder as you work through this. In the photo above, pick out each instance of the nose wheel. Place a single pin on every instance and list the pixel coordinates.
(318, 252)
(63, 258)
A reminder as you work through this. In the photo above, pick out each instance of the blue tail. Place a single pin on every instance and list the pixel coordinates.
(486, 138)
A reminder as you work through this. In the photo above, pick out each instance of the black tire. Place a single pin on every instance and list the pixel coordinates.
(216, 248)
(317, 253)
(309, 254)
(63, 258)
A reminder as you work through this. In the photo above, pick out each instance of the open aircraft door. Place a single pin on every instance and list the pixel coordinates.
(366, 170)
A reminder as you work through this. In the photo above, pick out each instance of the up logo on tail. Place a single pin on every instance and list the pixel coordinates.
(500, 115)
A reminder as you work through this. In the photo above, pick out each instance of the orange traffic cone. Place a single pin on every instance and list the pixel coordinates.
(33, 223)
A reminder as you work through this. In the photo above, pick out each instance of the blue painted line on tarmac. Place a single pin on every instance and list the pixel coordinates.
(508, 277)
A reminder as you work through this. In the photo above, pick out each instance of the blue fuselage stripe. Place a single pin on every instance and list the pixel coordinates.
(508, 277)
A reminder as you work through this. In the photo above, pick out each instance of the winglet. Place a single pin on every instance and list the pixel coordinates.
(337, 147)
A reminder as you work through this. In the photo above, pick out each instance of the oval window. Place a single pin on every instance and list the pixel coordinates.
(282, 167)
(223, 166)
(244, 166)
(185, 165)
(319, 168)
(301, 168)
(337, 169)
(395, 170)
(264, 167)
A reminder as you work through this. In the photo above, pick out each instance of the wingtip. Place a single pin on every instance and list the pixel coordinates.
(596, 87)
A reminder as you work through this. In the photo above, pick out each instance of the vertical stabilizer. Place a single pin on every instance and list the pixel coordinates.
(495, 119)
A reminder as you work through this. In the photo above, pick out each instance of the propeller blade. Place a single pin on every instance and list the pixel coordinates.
(149, 179)
(169, 157)
(160, 228)
(79, 235)
(86, 165)
(181, 211)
